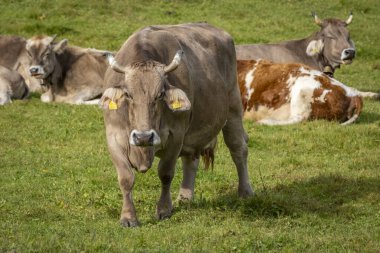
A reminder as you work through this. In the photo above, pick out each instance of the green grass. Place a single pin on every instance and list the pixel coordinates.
(317, 183)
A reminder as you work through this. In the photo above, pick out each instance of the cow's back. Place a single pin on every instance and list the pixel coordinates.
(11, 48)
(293, 51)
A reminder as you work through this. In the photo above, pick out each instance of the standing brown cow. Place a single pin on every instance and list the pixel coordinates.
(169, 107)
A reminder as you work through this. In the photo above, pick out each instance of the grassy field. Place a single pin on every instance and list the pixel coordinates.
(317, 183)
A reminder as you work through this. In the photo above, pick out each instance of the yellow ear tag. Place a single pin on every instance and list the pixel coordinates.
(176, 104)
(112, 105)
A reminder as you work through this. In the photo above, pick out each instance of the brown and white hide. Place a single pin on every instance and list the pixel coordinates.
(282, 94)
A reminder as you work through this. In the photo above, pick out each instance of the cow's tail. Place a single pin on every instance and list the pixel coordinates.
(367, 94)
(354, 110)
(208, 154)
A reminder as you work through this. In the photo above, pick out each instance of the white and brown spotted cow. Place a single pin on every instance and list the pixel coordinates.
(282, 94)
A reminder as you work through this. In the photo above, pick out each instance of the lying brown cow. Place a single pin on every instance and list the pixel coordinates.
(13, 56)
(281, 94)
(12, 86)
(71, 74)
(324, 50)
(167, 104)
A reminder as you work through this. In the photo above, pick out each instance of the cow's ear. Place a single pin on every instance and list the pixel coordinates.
(315, 47)
(60, 46)
(176, 99)
(111, 98)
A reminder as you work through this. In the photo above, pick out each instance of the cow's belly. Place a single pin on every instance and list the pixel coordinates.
(204, 129)
(264, 112)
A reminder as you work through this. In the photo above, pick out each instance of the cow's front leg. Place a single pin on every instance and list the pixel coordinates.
(126, 179)
(48, 96)
(165, 173)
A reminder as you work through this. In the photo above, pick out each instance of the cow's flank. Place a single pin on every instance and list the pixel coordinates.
(279, 94)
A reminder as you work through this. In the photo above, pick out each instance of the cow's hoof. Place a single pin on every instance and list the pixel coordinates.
(163, 214)
(46, 98)
(246, 192)
(124, 222)
(184, 196)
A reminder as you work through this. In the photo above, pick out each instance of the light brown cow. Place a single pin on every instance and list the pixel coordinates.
(71, 74)
(167, 104)
(12, 86)
(13, 56)
(324, 50)
(281, 94)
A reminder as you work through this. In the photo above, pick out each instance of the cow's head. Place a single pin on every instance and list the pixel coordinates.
(141, 100)
(42, 51)
(333, 42)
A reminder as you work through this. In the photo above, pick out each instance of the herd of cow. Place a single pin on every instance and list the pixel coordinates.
(171, 89)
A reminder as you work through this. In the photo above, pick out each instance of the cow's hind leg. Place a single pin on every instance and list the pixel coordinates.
(236, 140)
(190, 167)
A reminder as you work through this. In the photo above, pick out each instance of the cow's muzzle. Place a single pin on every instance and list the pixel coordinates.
(144, 138)
(36, 71)
(348, 55)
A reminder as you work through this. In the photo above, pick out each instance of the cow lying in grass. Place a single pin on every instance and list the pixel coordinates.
(13, 56)
(324, 50)
(71, 74)
(12, 86)
(282, 94)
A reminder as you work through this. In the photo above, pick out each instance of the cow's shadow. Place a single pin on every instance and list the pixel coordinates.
(324, 195)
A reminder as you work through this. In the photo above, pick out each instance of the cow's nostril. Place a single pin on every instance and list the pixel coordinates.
(349, 52)
(135, 138)
(151, 138)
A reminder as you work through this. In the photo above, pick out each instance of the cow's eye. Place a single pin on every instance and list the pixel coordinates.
(161, 95)
(29, 54)
(46, 55)
(127, 95)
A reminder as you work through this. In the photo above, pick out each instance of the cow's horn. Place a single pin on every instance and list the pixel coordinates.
(114, 65)
(316, 19)
(51, 39)
(174, 64)
(349, 19)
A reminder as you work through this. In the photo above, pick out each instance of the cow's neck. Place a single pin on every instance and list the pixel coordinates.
(55, 76)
